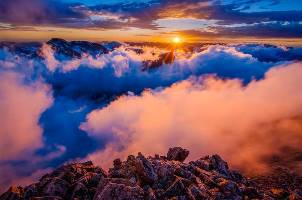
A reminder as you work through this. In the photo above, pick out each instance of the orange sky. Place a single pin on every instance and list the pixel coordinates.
(133, 35)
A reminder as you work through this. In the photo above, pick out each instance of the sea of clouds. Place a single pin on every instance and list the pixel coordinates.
(243, 102)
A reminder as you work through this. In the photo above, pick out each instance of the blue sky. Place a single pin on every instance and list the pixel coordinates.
(150, 19)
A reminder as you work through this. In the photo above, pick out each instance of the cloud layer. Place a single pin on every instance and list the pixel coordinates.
(245, 124)
(111, 104)
(225, 18)
(21, 106)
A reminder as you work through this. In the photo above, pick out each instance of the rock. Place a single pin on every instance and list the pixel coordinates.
(150, 194)
(47, 198)
(178, 188)
(279, 193)
(118, 189)
(73, 181)
(178, 154)
(56, 187)
(295, 195)
(145, 170)
(80, 191)
(117, 163)
(31, 191)
(13, 193)
(158, 177)
(164, 58)
(228, 188)
(250, 192)
(198, 193)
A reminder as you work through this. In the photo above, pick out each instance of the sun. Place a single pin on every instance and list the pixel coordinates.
(176, 40)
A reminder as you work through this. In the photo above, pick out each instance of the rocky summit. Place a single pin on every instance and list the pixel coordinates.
(158, 177)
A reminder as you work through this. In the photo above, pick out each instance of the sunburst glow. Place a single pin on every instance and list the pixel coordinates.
(176, 40)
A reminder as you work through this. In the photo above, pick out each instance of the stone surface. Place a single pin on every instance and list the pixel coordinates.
(158, 178)
(73, 181)
(177, 153)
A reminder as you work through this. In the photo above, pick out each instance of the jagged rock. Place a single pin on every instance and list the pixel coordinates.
(165, 58)
(56, 187)
(118, 189)
(279, 182)
(158, 177)
(278, 193)
(295, 195)
(196, 192)
(178, 154)
(47, 198)
(13, 193)
(178, 187)
(145, 170)
(78, 180)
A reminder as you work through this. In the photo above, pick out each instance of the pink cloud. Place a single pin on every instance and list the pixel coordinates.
(207, 115)
(20, 107)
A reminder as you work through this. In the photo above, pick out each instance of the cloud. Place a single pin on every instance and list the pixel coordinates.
(232, 18)
(11, 176)
(80, 86)
(20, 106)
(247, 125)
(270, 53)
(122, 69)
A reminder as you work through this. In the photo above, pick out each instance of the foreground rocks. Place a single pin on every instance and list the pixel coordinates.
(151, 178)
(74, 181)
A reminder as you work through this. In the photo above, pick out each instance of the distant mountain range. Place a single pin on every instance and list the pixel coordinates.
(77, 49)
(62, 48)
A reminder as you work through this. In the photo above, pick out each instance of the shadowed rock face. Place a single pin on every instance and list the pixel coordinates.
(158, 177)
(79, 180)
(177, 153)
(165, 58)
(75, 49)
(62, 49)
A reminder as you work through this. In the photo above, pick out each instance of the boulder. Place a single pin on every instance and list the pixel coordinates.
(13, 193)
(118, 189)
(178, 154)
(145, 170)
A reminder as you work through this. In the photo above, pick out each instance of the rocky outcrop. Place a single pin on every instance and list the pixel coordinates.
(279, 183)
(165, 58)
(73, 181)
(178, 154)
(159, 177)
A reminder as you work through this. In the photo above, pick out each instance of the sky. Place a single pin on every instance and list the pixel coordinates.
(152, 20)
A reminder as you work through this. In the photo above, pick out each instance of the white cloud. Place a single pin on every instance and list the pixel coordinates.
(207, 115)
